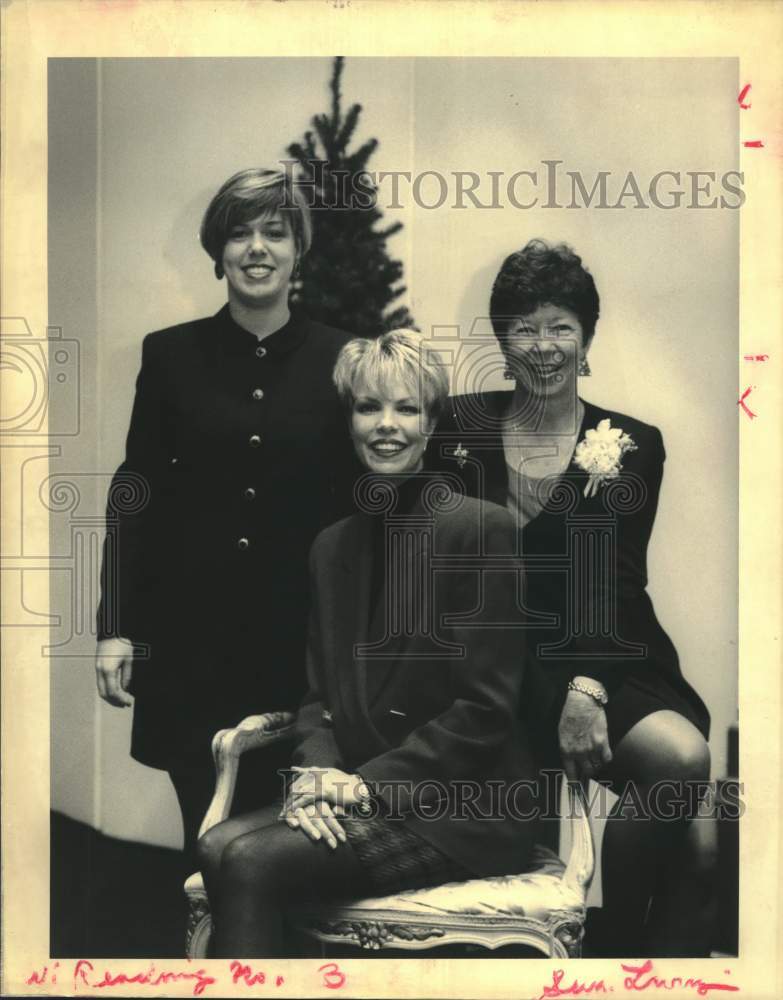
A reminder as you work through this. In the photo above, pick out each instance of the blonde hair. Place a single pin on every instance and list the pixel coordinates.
(398, 355)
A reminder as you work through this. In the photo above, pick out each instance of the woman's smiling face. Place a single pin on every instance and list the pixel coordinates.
(389, 427)
(259, 259)
(543, 349)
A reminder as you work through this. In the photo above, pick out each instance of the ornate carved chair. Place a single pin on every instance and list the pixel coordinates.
(543, 907)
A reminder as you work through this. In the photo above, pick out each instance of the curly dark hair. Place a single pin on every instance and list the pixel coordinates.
(543, 274)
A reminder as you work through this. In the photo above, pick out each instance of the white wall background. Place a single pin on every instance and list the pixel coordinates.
(137, 147)
(666, 347)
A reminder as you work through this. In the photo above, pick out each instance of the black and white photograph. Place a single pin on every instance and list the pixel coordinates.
(377, 477)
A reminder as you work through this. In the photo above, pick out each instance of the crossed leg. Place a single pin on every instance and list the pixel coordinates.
(255, 865)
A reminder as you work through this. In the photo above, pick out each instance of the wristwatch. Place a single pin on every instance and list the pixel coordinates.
(596, 693)
(363, 793)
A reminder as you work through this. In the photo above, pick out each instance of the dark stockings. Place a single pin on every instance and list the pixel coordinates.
(258, 783)
(254, 866)
(657, 873)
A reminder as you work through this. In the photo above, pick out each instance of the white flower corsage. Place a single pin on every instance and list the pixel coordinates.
(600, 454)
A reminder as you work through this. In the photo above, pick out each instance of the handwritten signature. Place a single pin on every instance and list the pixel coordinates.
(83, 974)
(641, 978)
(637, 979)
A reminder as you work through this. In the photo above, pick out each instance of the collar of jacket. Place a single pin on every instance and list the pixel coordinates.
(397, 495)
(235, 339)
(417, 497)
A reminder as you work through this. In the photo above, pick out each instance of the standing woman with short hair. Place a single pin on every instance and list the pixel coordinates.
(237, 446)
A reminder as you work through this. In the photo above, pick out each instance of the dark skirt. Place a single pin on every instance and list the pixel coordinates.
(646, 691)
(395, 858)
(642, 691)
(639, 682)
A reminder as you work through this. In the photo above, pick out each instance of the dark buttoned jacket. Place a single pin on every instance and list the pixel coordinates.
(418, 693)
(238, 453)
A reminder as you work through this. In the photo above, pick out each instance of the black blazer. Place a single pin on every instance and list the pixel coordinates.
(237, 455)
(599, 622)
(435, 706)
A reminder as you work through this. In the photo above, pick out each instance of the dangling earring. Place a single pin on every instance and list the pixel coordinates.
(584, 366)
(219, 272)
(296, 279)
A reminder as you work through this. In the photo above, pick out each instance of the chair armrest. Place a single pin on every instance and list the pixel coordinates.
(228, 745)
(581, 860)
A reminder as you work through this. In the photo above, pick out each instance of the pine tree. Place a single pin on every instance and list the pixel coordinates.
(348, 279)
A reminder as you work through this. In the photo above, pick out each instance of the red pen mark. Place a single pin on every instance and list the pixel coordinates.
(39, 978)
(743, 94)
(84, 969)
(756, 357)
(754, 144)
(576, 988)
(246, 975)
(741, 402)
(334, 978)
(637, 983)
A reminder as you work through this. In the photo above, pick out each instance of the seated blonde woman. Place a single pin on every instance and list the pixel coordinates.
(412, 713)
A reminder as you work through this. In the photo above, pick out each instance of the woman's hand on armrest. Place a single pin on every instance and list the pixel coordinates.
(113, 669)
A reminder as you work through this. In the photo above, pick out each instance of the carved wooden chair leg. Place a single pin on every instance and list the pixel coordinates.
(568, 933)
(199, 929)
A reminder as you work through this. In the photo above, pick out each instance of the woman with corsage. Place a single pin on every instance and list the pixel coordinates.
(611, 701)
(414, 688)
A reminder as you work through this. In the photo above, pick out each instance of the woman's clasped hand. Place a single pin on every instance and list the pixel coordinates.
(317, 798)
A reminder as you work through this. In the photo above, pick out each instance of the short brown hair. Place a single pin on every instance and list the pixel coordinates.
(251, 193)
(541, 274)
